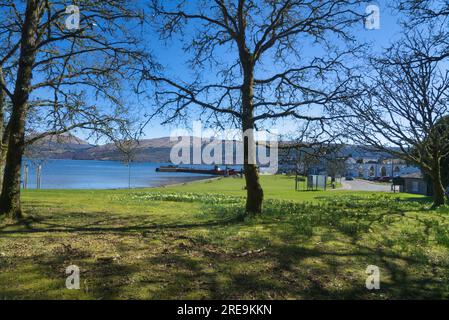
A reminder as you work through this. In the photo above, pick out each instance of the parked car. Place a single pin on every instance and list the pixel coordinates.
(348, 178)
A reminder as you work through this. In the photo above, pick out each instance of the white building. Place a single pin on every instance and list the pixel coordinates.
(372, 168)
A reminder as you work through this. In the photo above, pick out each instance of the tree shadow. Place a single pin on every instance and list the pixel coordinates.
(92, 227)
(307, 251)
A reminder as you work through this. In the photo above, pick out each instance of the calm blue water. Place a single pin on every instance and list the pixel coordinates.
(69, 174)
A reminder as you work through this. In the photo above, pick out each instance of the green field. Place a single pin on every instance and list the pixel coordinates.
(192, 242)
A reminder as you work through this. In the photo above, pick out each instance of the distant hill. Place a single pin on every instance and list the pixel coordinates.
(157, 150)
(72, 148)
(149, 150)
(363, 152)
(64, 146)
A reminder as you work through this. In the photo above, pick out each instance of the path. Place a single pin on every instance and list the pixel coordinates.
(361, 185)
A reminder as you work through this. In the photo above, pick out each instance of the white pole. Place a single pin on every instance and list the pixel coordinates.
(129, 174)
(39, 171)
(25, 179)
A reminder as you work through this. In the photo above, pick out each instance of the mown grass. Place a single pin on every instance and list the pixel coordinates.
(191, 242)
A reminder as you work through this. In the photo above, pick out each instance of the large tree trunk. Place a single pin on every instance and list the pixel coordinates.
(2, 130)
(254, 190)
(438, 189)
(254, 197)
(10, 196)
(3, 152)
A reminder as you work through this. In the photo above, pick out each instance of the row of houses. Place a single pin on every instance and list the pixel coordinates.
(362, 168)
(372, 168)
(407, 178)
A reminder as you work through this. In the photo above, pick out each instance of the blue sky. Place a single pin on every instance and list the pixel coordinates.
(169, 55)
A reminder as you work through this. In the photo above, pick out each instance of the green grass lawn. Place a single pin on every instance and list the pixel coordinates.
(190, 242)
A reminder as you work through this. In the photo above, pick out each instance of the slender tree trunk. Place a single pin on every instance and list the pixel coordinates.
(255, 194)
(10, 197)
(438, 189)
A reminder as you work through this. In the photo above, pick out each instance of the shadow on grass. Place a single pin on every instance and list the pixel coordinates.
(45, 226)
(300, 267)
(287, 276)
(293, 251)
(100, 279)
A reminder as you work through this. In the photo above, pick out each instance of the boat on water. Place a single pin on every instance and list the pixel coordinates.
(213, 172)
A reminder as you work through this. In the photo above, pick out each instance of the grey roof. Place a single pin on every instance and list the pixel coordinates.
(416, 175)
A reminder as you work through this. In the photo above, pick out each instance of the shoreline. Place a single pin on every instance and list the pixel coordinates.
(93, 175)
(177, 181)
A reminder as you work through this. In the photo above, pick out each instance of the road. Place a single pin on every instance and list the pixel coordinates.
(361, 185)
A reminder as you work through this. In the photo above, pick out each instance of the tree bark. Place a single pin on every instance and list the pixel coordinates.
(255, 195)
(438, 189)
(3, 152)
(10, 204)
(2, 131)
